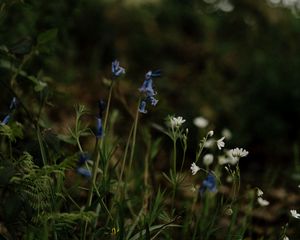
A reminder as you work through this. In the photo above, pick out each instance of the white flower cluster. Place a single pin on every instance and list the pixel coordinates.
(176, 122)
(233, 156)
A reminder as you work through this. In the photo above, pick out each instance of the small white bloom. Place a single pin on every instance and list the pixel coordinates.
(209, 143)
(176, 122)
(208, 159)
(220, 143)
(226, 133)
(262, 202)
(194, 168)
(298, 186)
(259, 192)
(200, 122)
(223, 160)
(295, 214)
(285, 238)
(236, 154)
(210, 133)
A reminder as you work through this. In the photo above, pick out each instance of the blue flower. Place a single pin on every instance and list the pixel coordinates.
(5, 120)
(83, 158)
(142, 107)
(208, 183)
(84, 172)
(116, 69)
(147, 89)
(152, 100)
(13, 104)
(99, 130)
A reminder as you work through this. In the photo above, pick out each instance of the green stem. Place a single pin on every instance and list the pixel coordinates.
(134, 135)
(41, 145)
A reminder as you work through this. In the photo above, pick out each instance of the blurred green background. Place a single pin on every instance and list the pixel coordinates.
(234, 62)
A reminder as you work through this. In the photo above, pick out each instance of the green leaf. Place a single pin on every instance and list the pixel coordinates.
(47, 36)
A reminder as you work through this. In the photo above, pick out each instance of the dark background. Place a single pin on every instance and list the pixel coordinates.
(237, 65)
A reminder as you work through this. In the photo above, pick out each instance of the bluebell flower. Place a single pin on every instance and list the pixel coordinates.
(83, 158)
(13, 104)
(151, 74)
(152, 100)
(208, 183)
(5, 120)
(142, 107)
(99, 128)
(116, 69)
(147, 89)
(84, 172)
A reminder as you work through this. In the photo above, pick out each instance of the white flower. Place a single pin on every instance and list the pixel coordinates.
(210, 133)
(194, 168)
(208, 159)
(209, 143)
(236, 154)
(295, 214)
(200, 122)
(259, 192)
(220, 143)
(176, 122)
(285, 238)
(223, 160)
(262, 202)
(226, 133)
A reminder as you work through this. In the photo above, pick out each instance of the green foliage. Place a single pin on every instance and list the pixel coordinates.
(60, 181)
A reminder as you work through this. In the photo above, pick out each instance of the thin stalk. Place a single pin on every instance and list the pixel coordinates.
(107, 108)
(94, 173)
(134, 135)
(174, 156)
(41, 145)
(125, 153)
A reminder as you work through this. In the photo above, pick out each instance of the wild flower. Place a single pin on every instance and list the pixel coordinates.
(223, 160)
(116, 69)
(5, 120)
(142, 107)
(208, 183)
(83, 158)
(84, 172)
(176, 122)
(200, 122)
(147, 89)
(262, 202)
(209, 143)
(226, 133)
(13, 104)
(236, 154)
(208, 159)
(295, 214)
(285, 238)
(194, 168)
(220, 143)
(210, 133)
(259, 192)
